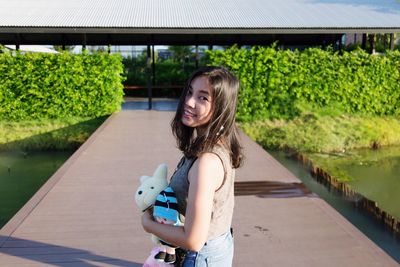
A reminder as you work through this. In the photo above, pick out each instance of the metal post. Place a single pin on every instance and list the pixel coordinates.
(153, 65)
(341, 43)
(84, 42)
(63, 42)
(148, 71)
(197, 56)
(364, 41)
(18, 42)
(385, 43)
(371, 38)
(391, 47)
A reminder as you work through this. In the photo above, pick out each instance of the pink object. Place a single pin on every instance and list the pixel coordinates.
(152, 262)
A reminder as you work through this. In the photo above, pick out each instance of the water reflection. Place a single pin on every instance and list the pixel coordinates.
(22, 174)
(374, 174)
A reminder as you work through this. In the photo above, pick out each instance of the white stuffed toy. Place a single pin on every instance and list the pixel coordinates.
(150, 187)
(153, 191)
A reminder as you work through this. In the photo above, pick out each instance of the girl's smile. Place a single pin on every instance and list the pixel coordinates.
(188, 114)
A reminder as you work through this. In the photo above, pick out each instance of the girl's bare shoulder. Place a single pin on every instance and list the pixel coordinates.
(208, 165)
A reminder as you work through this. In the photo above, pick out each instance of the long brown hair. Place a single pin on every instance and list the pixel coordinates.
(221, 127)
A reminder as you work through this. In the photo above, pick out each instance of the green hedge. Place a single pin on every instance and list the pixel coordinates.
(38, 85)
(284, 84)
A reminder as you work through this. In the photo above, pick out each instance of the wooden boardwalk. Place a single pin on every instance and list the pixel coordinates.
(85, 214)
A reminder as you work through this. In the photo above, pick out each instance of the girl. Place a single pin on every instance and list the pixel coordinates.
(205, 131)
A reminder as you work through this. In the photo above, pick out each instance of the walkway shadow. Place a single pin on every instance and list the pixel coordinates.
(55, 255)
(69, 137)
(272, 189)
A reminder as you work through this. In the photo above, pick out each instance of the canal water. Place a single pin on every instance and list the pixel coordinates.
(377, 176)
(22, 174)
(372, 228)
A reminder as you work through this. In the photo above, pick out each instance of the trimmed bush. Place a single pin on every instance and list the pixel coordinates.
(38, 85)
(284, 84)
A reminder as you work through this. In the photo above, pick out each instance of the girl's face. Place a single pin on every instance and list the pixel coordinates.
(197, 109)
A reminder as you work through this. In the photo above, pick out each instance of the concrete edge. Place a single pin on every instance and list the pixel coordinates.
(8, 229)
(352, 230)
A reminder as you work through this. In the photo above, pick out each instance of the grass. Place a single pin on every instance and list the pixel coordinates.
(47, 134)
(325, 133)
(327, 137)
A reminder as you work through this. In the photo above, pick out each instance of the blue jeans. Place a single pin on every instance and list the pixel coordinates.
(217, 252)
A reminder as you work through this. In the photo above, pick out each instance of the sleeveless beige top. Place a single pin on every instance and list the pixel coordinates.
(222, 211)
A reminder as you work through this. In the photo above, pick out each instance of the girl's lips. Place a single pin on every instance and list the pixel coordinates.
(187, 113)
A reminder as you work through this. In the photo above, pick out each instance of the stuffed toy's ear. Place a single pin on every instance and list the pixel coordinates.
(161, 171)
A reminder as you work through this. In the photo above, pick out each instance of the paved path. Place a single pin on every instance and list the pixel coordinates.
(85, 214)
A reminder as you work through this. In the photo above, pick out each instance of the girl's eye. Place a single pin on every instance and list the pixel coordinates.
(203, 98)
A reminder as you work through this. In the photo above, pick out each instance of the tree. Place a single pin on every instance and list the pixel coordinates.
(180, 53)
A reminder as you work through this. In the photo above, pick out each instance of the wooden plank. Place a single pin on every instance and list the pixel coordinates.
(88, 216)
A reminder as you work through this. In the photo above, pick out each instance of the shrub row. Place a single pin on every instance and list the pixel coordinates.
(38, 85)
(324, 133)
(284, 84)
(168, 72)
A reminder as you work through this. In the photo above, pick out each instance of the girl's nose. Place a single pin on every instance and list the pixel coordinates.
(190, 101)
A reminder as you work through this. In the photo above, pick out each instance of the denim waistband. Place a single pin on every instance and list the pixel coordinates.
(209, 248)
(219, 239)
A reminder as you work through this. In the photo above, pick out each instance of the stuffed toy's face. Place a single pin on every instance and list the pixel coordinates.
(150, 187)
(163, 220)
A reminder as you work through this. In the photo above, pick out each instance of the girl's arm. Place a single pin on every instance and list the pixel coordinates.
(205, 177)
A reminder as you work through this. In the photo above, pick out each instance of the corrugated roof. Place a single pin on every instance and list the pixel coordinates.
(201, 14)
